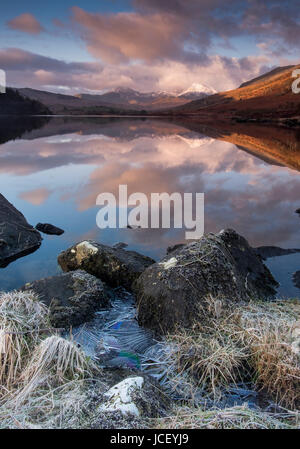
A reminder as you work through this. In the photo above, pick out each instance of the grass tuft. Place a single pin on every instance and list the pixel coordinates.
(21, 318)
(250, 342)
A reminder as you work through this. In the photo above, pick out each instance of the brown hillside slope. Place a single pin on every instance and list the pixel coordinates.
(268, 98)
(265, 76)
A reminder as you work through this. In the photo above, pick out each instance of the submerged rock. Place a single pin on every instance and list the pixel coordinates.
(18, 238)
(296, 279)
(265, 252)
(223, 265)
(49, 229)
(72, 297)
(116, 266)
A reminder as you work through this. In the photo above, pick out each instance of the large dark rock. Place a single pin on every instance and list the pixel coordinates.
(116, 266)
(72, 297)
(49, 229)
(17, 237)
(170, 293)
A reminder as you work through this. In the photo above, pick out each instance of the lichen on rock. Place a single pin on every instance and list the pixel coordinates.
(114, 265)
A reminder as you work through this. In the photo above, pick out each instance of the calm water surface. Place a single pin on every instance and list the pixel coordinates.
(54, 173)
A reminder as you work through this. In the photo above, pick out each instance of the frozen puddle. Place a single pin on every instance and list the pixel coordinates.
(114, 338)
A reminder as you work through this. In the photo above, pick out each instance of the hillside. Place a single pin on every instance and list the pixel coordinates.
(70, 104)
(267, 75)
(13, 103)
(267, 98)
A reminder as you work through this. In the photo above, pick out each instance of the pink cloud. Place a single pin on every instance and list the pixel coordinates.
(36, 197)
(124, 36)
(40, 72)
(27, 23)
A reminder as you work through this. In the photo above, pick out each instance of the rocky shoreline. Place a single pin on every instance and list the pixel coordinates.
(168, 292)
(201, 304)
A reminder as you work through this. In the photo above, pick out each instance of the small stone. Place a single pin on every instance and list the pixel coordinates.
(120, 397)
(49, 229)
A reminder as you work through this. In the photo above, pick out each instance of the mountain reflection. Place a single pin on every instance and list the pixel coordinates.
(54, 173)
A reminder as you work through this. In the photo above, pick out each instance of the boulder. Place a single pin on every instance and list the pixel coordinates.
(170, 293)
(72, 297)
(17, 237)
(49, 229)
(116, 266)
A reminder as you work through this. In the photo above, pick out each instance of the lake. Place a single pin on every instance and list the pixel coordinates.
(53, 169)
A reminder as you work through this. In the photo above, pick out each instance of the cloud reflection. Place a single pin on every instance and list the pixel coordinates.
(241, 191)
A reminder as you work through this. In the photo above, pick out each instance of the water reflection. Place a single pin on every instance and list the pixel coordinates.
(54, 174)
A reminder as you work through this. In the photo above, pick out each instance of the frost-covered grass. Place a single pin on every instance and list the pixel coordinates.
(22, 319)
(46, 381)
(241, 417)
(255, 342)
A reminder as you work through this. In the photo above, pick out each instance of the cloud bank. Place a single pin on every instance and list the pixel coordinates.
(165, 45)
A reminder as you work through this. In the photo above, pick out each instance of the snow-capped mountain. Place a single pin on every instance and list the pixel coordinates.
(197, 91)
(123, 98)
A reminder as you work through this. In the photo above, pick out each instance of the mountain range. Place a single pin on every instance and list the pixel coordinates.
(120, 98)
(267, 98)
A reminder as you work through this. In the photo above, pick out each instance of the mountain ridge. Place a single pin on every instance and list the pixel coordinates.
(266, 98)
(121, 98)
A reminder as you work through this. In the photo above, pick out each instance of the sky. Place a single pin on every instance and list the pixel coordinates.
(93, 46)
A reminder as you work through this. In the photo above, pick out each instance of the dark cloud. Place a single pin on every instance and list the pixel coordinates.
(17, 59)
(156, 30)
